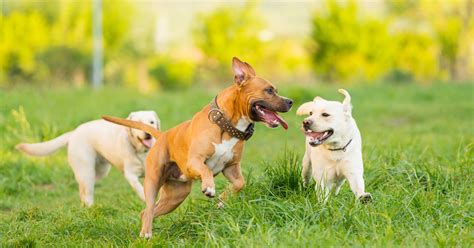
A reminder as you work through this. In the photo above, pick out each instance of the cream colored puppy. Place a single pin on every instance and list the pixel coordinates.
(333, 147)
(95, 145)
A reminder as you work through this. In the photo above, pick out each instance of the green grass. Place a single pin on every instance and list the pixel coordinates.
(418, 151)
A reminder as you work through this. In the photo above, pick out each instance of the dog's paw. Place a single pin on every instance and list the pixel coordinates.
(146, 235)
(209, 192)
(365, 198)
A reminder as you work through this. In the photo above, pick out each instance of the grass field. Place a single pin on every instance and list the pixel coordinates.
(419, 166)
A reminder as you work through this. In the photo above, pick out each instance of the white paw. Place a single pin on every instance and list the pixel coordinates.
(209, 192)
(146, 235)
(365, 198)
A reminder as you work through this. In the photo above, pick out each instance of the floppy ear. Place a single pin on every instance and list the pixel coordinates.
(304, 109)
(130, 116)
(242, 71)
(158, 121)
(129, 130)
(347, 101)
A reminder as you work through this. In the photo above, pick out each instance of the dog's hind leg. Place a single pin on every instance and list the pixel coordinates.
(172, 194)
(82, 159)
(338, 186)
(102, 169)
(155, 164)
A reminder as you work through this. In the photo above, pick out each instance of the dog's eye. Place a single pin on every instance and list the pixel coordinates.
(325, 114)
(152, 122)
(270, 91)
(310, 113)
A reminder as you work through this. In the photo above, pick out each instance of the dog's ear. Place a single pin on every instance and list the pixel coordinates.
(242, 71)
(346, 103)
(158, 121)
(304, 109)
(130, 116)
(319, 98)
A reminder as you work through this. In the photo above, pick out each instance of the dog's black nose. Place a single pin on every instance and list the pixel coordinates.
(147, 136)
(289, 102)
(307, 124)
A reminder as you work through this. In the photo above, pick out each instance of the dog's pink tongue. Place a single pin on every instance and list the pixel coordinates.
(271, 116)
(281, 121)
(148, 143)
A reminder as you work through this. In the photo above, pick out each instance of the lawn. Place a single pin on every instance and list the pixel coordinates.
(418, 147)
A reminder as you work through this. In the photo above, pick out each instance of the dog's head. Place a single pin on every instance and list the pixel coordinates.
(328, 120)
(141, 140)
(259, 98)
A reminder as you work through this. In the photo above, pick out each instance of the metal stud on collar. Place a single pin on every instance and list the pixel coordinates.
(217, 117)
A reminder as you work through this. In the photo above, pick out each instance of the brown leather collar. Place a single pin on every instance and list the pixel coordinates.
(341, 148)
(217, 117)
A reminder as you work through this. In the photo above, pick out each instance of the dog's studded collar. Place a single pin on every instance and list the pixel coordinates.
(217, 117)
(342, 148)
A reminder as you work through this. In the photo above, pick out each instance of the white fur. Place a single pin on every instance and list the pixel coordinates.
(224, 151)
(331, 168)
(94, 145)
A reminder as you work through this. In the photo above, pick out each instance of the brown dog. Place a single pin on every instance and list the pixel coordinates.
(210, 143)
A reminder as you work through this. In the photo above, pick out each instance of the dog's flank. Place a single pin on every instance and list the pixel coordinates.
(133, 124)
(44, 148)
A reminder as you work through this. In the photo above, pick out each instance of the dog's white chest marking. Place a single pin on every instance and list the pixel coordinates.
(223, 152)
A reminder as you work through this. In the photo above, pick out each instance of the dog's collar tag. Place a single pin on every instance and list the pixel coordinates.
(217, 117)
(344, 148)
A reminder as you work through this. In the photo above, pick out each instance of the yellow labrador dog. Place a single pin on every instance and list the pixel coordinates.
(94, 145)
(333, 147)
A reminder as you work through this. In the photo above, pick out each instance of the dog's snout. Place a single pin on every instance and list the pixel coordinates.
(307, 124)
(147, 136)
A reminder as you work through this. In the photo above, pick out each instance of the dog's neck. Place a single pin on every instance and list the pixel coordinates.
(235, 110)
(136, 144)
(342, 141)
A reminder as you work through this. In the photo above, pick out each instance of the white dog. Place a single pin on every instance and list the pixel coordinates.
(94, 145)
(333, 147)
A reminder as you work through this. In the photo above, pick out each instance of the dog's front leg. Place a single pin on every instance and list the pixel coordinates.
(306, 170)
(198, 168)
(356, 182)
(131, 174)
(237, 182)
(324, 184)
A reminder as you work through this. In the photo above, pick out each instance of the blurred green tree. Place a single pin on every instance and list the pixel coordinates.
(451, 25)
(23, 36)
(347, 46)
(52, 41)
(227, 32)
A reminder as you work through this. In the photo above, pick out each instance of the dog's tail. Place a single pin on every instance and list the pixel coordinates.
(44, 148)
(133, 124)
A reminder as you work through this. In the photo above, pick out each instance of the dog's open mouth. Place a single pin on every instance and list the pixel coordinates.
(317, 138)
(269, 117)
(147, 141)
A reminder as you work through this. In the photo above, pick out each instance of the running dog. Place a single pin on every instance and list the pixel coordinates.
(333, 147)
(94, 145)
(208, 144)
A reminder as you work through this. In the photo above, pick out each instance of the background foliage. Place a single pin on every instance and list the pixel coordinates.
(49, 42)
